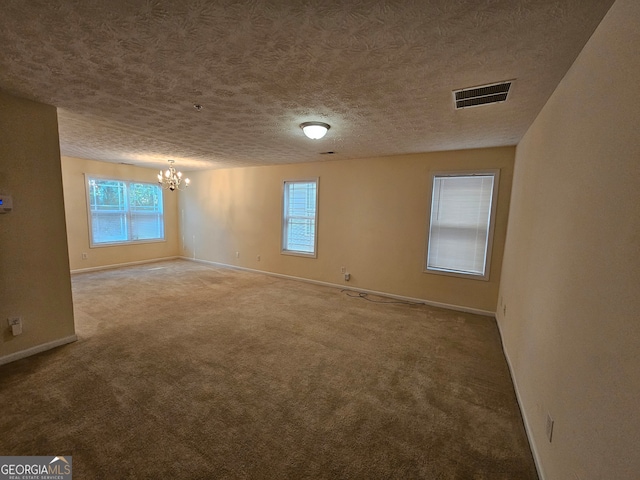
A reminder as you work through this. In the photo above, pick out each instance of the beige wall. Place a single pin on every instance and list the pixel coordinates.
(75, 196)
(571, 277)
(34, 272)
(372, 219)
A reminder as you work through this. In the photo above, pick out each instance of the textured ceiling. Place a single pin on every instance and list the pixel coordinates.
(125, 74)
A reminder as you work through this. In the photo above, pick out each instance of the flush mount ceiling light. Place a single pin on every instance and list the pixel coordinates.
(172, 179)
(315, 130)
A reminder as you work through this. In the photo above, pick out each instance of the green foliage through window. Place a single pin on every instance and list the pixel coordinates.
(125, 211)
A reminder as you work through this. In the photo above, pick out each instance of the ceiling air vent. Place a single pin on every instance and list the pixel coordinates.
(483, 95)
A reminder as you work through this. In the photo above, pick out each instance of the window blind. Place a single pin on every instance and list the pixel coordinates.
(460, 223)
(299, 217)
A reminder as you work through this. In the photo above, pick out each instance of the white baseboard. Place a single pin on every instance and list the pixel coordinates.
(525, 418)
(12, 357)
(118, 265)
(355, 289)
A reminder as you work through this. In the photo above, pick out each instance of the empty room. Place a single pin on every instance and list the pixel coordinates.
(284, 240)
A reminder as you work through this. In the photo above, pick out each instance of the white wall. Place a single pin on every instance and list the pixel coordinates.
(372, 219)
(35, 283)
(571, 273)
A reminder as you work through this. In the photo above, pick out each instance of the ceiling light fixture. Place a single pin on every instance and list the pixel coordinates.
(172, 179)
(315, 130)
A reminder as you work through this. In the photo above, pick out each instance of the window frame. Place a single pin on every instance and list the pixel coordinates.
(296, 253)
(492, 222)
(127, 182)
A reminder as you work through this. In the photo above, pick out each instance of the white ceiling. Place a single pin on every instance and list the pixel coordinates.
(125, 74)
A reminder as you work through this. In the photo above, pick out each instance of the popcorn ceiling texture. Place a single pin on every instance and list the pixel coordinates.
(125, 74)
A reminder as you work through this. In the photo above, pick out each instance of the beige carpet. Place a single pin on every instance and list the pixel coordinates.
(186, 371)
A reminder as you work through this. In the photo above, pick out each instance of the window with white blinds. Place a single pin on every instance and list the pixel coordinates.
(461, 223)
(124, 211)
(299, 217)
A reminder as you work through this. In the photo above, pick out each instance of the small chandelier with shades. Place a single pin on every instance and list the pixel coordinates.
(172, 179)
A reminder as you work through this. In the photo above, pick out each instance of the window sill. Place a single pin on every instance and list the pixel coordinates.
(120, 244)
(298, 254)
(468, 276)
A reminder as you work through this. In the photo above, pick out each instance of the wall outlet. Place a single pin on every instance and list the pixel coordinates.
(237, 254)
(343, 269)
(347, 277)
(85, 255)
(258, 257)
(549, 427)
(16, 325)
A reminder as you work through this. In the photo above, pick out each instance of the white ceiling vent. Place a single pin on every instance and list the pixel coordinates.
(482, 95)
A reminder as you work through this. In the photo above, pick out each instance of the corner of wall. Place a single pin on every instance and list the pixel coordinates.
(34, 267)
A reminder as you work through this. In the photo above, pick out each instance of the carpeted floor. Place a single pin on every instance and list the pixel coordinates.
(186, 371)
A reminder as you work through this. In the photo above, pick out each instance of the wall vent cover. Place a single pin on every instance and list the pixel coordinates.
(482, 95)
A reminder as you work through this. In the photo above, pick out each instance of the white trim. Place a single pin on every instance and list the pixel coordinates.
(12, 357)
(132, 242)
(458, 308)
(126, 264)
(298, 254)
(525, 419)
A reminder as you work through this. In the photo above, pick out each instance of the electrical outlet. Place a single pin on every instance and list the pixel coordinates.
(14, 321)
(343, 269)
(347, 277)
(258, 257)
(16, 325)
(85, 255)
(549, 427)
(237, 254)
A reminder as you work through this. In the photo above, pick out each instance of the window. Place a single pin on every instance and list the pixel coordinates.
(124, 211)
(299, 217)
(461, 223)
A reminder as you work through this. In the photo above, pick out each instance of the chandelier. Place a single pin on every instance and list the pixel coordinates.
(172, 179)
